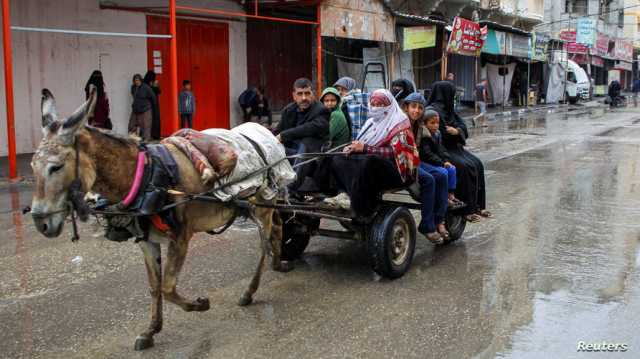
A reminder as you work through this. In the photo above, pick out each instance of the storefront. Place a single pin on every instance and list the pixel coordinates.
(537, 68)
(623, 55)
(419, 43)
(599, 68)
(506, 64)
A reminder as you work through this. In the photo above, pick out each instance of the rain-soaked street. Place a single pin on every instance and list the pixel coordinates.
(557, 265)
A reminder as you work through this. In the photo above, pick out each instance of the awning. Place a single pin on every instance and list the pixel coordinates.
(597, 61)
(623, 65)
(504, 43)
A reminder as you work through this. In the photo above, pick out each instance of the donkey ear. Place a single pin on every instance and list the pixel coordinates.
(80, 116)
(48, 107)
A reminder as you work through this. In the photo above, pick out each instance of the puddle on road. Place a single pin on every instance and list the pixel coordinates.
(566, 249)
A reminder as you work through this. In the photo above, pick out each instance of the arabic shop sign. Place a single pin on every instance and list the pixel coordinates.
(570, 45)
(540, 46)
(586, 31)
(466, 37)
(419, 37)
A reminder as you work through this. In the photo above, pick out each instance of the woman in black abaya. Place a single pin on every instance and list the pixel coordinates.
(150, 79)
(470, 170)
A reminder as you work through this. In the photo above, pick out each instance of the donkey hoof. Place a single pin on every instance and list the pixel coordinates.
(284, 267)
(245, 300)
(143, 342)
(201, 304)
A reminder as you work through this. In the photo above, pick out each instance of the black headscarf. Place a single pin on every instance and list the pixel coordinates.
(407, 88)
(149, 78)
(96, 80)
(442, 99)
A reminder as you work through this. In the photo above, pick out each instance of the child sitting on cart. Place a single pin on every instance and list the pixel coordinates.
(432, 180)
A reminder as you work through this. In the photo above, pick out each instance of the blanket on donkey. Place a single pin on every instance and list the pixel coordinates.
(212, 157)
(253, 147)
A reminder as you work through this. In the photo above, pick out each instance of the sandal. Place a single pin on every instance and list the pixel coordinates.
(434, 237)
(484, 213)
(455, 204)
(473, 218)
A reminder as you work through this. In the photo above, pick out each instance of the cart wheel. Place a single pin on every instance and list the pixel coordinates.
(392, 241)
(455, 224)
(295, 236)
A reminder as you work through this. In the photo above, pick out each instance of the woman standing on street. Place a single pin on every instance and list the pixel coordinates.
(151, 81)
(141, 109)
(100, 116)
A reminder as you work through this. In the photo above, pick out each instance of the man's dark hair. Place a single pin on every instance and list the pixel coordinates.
(185, 82)
(301, 83)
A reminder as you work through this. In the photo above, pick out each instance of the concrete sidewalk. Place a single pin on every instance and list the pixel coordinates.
(493, 113)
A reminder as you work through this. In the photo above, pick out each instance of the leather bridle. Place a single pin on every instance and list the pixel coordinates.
(75, 200)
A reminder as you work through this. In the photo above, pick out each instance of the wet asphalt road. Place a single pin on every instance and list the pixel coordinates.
(558, 264)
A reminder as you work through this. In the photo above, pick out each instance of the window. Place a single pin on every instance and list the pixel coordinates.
(605, 8)
(577, 7)
(621, 19)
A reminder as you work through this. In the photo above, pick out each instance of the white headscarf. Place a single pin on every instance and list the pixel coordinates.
(382, 120)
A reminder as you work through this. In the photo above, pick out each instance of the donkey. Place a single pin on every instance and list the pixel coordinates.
(105, 163)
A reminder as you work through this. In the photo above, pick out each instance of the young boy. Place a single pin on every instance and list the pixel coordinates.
(186, 105)
(434, 155)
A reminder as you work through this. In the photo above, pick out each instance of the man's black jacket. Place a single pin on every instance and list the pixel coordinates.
(312, 131)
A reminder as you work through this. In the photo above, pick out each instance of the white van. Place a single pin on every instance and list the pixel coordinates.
(578, 83)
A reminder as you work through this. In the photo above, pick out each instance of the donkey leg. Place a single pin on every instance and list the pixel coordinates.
(247, 297)
(275, 236)
(152, 261)
(263, 222)
(176, 254)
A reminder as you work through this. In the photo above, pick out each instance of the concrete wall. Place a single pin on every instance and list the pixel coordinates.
(631, 19)
(63, 62)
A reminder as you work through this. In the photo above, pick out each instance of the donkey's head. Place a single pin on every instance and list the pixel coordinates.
(54, 163)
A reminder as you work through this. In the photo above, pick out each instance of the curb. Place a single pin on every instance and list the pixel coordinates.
(518, 112)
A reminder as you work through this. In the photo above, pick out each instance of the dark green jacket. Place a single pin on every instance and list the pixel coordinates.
(338, 126)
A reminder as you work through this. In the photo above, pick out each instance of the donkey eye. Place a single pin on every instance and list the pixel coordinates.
(56, 168)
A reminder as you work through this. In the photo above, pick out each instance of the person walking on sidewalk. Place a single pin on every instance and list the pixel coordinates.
(186, 105)
(481, 101)
(636, 89)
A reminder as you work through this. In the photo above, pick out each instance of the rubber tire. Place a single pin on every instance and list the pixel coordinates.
(455, 223)
(380, 239)
(573, 100)
(295, 237)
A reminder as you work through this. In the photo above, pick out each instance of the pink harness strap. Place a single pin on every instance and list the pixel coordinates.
(137, 180)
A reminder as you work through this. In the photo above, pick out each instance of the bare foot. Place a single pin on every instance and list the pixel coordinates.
(473, 218)
(443, 231)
